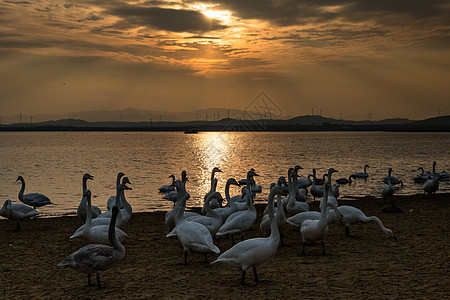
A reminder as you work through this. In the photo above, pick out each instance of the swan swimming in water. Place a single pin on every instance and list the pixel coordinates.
(82, 207)
(345, 180)
(316, 190)
(193, 236)
(168, 188)
(32, 199)
(421, 178)
(252, 252)
(362, 174)
(17, 212)
(97, 234)
(173, 195)
(96, 258)
(432, 185)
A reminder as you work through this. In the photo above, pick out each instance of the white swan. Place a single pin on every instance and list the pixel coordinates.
(352, 215)
(214, 203)
(170, 216)
(331, 198)
(125, 212)
(280, 215)
(361, 174)
(252, 252)
(33, 199)
(82, 207)
(316, 190)
(293, 206)
(240, 221)
(95, 258)
(112, 200)
(394, 180)
(316, 230)
(388, 190)
(231, 206)
(193, 236)
(17, 212)
(99, 233)
(106, 221)
(298, 219)
(432, 185)
(168, 188)
(304, 183)
(213, 220)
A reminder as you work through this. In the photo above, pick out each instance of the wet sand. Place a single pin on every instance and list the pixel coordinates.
(369, 264)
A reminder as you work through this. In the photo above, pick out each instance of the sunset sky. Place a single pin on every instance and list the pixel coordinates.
(389, 57)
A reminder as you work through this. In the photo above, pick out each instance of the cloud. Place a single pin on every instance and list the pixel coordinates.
(175, 20)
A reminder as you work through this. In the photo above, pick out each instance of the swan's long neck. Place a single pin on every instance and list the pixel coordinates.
(87, 224)
(373, 218)
(118, 193)
(22, 190)
(84, 185)
(314, 177)
(365, 169)
(274, 233)
(291, 196)
(249, 201)
(323, 210)
(208, 208)
(119, 176)
(212, 180)
(125, 203)
(180, 207)
(389, 177)
(230, 202)
(112, 234)
(423, 171)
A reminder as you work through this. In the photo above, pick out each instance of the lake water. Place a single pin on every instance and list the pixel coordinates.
(53, 163)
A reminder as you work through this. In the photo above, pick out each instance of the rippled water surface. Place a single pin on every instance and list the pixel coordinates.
(53, 163)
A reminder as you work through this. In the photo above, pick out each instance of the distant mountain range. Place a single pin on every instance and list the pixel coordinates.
(217, 120)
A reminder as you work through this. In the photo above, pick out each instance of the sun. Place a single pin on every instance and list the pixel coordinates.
(216, 14)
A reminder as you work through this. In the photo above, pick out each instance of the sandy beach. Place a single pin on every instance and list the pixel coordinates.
(369, 264)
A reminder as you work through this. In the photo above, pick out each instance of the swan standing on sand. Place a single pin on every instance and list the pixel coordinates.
(211, 222)
(293, 206)
(168, 188)
(280, 216)
(33, 199)
(17, 212)
(388, 190)
(252, 252)
(173, 195)
(96, 258)
(315, 190)
(82, 207)
(97, 234)
(125, 212)
(231, 206)
(317, 230)
(193, 236)
(361, 174)
(431, 185)
(331, 197)
(240, 221)
(214, 203)
(352, 215)
(299, 218)
(106, 221)
(112, 200)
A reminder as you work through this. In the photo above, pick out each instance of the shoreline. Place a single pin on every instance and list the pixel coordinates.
(368, 264)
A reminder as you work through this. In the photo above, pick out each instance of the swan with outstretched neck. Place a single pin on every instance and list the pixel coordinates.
(316, 230)
(32, 199)
(213, 220)
(17, 212)
(352, 215)
(252, 252)
(193, 236)
(97, 234)
(331, 198)
(82, 207)
(96, 258)
(432, 185)
(214, 203)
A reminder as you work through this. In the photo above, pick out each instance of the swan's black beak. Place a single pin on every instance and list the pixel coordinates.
(127, 188)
